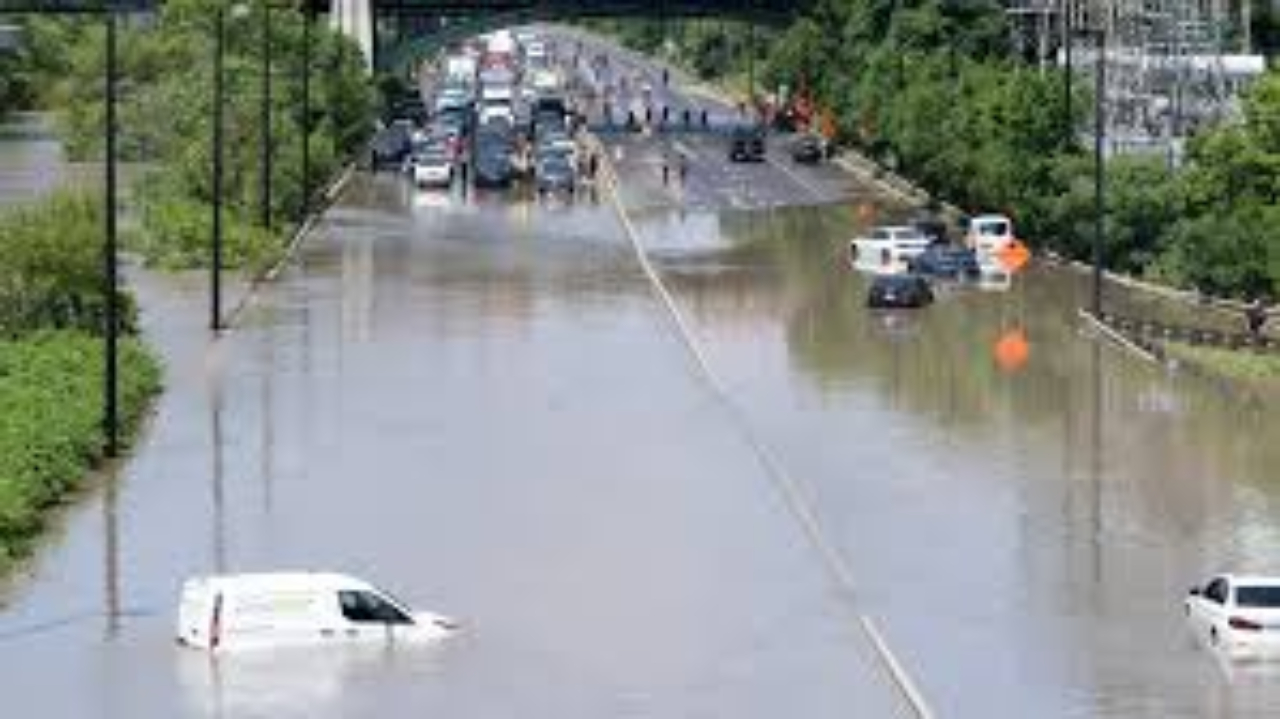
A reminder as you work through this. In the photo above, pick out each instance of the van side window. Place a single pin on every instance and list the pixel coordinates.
(369, 607)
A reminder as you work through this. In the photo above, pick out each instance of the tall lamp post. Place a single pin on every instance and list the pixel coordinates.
(215, 266)
(264, 121)
(308, 20)
(111, 278)
(1099, 159)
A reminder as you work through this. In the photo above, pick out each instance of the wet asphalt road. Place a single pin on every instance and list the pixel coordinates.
(481, 405)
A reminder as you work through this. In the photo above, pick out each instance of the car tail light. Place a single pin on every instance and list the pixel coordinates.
(1244, 624)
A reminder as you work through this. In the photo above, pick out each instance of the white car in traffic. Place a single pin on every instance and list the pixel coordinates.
(1237, 614)
(279, 609)
(432, 167)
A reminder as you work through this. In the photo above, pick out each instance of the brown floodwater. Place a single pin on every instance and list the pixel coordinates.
(480, 405)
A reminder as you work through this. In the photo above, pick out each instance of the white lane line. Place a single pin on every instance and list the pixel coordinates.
(789, 489)
(900, 675)
(796, 178)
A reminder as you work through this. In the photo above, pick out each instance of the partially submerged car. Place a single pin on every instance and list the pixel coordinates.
(1237, 615)
(275, 609)
(899, 292)
(888, 245)
(946, 262)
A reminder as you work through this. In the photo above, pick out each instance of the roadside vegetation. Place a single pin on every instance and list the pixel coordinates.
(1255, 368)
(942, 98)
(166, 111)
(51, 364)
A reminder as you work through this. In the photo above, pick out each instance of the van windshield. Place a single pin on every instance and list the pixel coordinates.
(369, 607)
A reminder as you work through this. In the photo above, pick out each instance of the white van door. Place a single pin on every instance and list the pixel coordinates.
(369, 617)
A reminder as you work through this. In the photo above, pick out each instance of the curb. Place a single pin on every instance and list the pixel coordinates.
(271, 273)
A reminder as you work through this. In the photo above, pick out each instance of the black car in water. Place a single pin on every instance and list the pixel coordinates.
(947, 262)
(746, 144)
(899, 292)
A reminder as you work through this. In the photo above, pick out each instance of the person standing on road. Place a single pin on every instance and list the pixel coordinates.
(1255, 316)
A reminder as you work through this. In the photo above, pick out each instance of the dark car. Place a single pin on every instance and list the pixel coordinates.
(555, 173)
(809, 149)
(492, 162)
(899, 292)
(947, 261)
(390, 146)
(746, 144)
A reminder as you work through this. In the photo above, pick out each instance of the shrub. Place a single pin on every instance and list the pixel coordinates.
(50, 431)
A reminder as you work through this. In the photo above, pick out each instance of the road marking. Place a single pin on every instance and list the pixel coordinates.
(792, 495)
(796, 178)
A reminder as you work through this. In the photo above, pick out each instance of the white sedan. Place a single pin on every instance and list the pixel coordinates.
(432, 168)
(1238, 615)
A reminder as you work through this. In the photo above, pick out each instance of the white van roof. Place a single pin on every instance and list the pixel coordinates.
(279, 581)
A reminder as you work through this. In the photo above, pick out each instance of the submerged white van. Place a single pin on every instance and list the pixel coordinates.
(245, 611)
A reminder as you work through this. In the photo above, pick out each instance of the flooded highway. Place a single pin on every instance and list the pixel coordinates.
(480, 404)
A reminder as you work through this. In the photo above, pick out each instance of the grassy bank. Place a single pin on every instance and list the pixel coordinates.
(50, 424)
(1238, 365)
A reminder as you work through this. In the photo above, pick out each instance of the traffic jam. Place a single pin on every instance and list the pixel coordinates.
(492, 113)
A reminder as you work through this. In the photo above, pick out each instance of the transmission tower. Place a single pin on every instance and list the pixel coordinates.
(1173, 66)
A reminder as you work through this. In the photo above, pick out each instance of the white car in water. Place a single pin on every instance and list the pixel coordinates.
(1237, 614)
(278, 609)
(888, 247)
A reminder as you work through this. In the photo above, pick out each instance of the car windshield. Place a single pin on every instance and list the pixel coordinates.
(994, 229)
(1258, 596)
(555, 163)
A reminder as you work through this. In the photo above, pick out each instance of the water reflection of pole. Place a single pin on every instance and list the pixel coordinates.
(1095, 461)
(111, 557)
(268, 425)
(219, 504)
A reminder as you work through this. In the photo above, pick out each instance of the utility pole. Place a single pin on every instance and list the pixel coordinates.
(215, 267)
(111, 388)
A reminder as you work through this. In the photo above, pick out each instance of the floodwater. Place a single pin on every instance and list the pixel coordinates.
(31, 160)
(481, 405)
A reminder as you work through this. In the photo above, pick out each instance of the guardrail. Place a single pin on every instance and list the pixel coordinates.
(1149, 334)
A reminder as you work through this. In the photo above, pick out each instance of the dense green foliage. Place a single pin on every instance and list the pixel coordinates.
(166, 116)
(50, 432)
(933, 91)
(51, 274)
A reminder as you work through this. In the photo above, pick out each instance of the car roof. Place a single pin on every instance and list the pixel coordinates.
(280, 580)
(1259, 580)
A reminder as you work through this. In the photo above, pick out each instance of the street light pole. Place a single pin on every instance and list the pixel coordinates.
(1068, 35)
(215, 267)
(308, 20)
(264, 121)
(1099, 171)
(111, 388)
